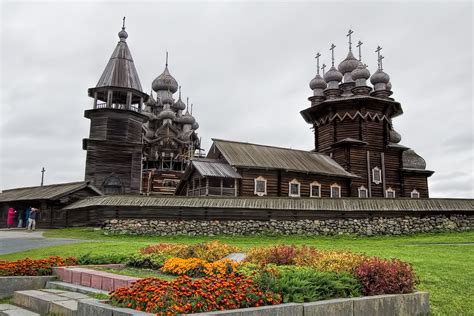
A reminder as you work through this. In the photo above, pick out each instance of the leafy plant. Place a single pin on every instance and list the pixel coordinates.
(147, 261)
(381, 276)
(209, 251)
(90, 258)
(28, 267)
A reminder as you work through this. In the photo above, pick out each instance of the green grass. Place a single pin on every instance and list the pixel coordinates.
(444, 270)
(139, 273)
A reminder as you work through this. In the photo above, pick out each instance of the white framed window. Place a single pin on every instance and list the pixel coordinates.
(363, 192)
(294, 188)
(335, 190)
(390, 193)
(415, 194)
(376, 175)
(315, 189)
(260, 186)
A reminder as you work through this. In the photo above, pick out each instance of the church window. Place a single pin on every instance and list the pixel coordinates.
(415, 194)
(260, 186)
(294, 188)
(377, 175)
(390, 193)
(335, 190)
(363, 192)
(315, 189)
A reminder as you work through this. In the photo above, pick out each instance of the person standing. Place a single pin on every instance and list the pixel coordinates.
(32, 219)
(21, 214)
(11, 217)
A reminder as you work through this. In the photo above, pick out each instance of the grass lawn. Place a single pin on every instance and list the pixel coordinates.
(443, 262)
(139, 273)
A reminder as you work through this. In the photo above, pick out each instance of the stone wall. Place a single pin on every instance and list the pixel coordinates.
(367, 227)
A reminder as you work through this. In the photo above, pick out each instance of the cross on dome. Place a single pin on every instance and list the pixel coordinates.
(378, 55)
(317, 61)
(359, 44)
(349, 34)
(323, 68)
(332, 53)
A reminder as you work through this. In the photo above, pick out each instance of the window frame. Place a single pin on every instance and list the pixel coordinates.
(335, 185)
(360, 189)
(379, 173)
(412, 193)
(294, 181)
(262, 179)
(390, 190)
(315, 184)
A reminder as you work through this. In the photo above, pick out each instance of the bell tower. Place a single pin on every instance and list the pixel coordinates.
(114, 147)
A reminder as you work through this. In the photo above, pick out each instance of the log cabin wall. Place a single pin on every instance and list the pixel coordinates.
(114, 148)
(418, 182)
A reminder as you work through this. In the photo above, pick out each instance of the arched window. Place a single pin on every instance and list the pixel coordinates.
(260, 186)
(315, 189)
(112, 185)
(335, 190)
(294, 188)
(415, 194)
(390, 193)
(363, 192)
(376, 175)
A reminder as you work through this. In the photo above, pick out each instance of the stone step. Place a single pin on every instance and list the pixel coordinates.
(49, 301)
(13, 310)
(74, 288)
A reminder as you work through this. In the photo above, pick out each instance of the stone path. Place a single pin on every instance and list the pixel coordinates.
(15, 240)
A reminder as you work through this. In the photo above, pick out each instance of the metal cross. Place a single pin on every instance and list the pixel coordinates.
(42, 175)
(180, 92)
(167, 59)
(332, 53)
(317, 61)
(187, 104)
(378, 54)
(191, 109)
(350, 42)
(380, 62)
(360, 53)
(323, 67)
(123, 24)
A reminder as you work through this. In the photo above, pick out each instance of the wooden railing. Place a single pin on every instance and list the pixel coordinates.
(134, 108)
(212, 191)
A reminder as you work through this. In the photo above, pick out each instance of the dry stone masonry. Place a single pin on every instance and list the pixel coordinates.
(365, 227)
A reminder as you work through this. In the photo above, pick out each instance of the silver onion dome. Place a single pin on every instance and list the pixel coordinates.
(187, 119)
(389, 86)
(167, 98)
(165, 81)
(412, 160)
(195, 125)
(123, 34)
(179, 105)
(166, 114)
(332, 75)
(151, 100)
(348, 64)
(317, 83)
(394, 137)
(379, 77)
(361, 72)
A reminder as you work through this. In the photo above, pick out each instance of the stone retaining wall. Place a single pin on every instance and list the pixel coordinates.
(10, 284)
(366, 227)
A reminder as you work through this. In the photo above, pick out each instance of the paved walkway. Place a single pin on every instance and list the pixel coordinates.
(14, 240)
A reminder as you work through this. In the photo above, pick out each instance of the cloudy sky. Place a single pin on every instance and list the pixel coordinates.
(245, 66)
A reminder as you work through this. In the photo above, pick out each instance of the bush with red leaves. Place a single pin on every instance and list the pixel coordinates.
(381, 276)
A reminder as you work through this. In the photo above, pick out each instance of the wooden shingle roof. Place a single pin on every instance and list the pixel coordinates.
(256, 156)
(258, 203)
(46, 192)
(214, 168)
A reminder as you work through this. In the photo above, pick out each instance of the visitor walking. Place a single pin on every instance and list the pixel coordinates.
(21, 214)
(32, 219)
(11, 217)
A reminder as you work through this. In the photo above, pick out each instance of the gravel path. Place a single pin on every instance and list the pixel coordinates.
(15, 240)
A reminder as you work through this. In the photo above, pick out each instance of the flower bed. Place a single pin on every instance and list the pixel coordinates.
(28, 267)
(185, 295)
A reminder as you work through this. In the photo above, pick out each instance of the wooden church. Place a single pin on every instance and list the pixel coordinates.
(142, 144)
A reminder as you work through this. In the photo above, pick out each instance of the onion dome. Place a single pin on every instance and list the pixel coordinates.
(361, 72)
(151, 100)
(195, 125)
(165, 81)
(389, 86)
(187, 119)
(394, 137)
(123, 34)
(179, 105)
(332, 75)
(317, 83)
(166, 114)
(379, 77)
(412, 160)
(347, 66)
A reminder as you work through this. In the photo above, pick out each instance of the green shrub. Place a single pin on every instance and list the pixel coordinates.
(148, 261)
(300, 284)
(89, 258)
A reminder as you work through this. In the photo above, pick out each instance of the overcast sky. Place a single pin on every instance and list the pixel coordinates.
(245, 66)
